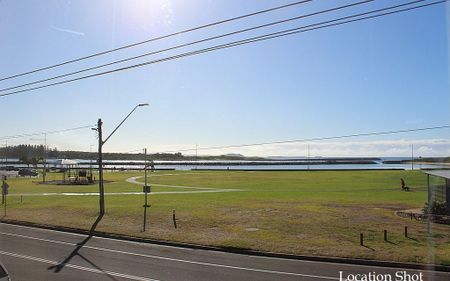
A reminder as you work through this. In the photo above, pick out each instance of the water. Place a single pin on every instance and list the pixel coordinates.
(228, 165)
(305, 167)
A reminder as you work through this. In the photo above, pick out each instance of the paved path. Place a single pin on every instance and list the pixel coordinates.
(120, 193)
(210, 189)
(39, 254)
(133, 180)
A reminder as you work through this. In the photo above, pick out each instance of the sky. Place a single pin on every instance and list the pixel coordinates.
(382, 74)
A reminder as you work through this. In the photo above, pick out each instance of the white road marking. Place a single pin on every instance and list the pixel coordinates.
(98, 237)
(78, 267)
(171, 259)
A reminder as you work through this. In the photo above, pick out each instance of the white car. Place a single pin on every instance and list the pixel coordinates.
(4, 276)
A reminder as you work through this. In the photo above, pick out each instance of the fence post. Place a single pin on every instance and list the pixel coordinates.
(174, 218)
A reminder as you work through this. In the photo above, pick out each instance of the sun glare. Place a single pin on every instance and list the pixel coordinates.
(147, 12)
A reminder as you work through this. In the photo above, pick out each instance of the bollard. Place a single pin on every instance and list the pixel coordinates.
(174, 218)
(361, 239)
(21, 199)
(406, 231)
(385, 235)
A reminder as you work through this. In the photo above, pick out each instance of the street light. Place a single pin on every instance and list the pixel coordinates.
(101, 142)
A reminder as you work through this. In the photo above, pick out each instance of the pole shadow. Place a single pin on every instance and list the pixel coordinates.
(414, 239)
(60, 266)
(367, 247)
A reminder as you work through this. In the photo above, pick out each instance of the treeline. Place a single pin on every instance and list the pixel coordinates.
(420, 159)
(26, 151)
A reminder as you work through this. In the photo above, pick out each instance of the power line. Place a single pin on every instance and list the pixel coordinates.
(191, 43)
(317, 138)
(247, 41)
(46, 132)
(157, 38)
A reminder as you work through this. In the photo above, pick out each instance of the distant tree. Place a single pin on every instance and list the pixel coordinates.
(36, 160)
(25, 160)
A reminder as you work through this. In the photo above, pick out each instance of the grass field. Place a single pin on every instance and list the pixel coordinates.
(299, 212)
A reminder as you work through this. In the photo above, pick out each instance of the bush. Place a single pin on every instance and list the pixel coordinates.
(436, 208)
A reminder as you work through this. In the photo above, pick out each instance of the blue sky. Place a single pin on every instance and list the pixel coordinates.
(382, 74)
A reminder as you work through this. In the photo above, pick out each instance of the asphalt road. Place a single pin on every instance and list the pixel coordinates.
(39, 254)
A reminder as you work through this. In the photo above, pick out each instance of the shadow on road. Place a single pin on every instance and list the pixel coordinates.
(58, 267)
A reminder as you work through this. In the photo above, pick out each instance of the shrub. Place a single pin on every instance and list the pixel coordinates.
(436, 208)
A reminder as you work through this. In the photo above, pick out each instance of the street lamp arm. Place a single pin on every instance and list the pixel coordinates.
(118, 126)
(141, 104)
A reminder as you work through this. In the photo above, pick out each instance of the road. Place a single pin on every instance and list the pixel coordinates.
(39, 254)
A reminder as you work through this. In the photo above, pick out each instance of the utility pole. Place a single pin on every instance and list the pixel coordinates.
(101, 142)
(101, 190)
(412, 157)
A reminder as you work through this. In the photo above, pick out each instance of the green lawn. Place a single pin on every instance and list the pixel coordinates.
(308, 213)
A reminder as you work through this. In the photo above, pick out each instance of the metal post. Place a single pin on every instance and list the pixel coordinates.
(145, 184)
(429, 190)
(5, 207)
(101, 190)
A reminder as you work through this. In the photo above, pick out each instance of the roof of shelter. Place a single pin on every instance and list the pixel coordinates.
(439, 173)
(68, 162)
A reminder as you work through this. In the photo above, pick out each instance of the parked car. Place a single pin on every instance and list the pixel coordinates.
(4, 276)
(28, 172)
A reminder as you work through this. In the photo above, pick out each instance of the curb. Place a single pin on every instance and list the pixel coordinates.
(242, 251)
